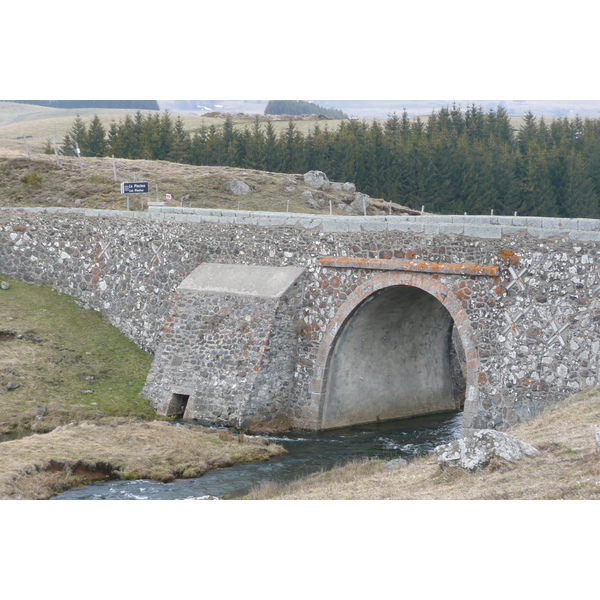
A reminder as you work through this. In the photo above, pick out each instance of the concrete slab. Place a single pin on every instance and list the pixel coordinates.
(243, 280)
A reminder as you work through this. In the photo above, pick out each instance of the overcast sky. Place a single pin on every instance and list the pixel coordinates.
(264, 49)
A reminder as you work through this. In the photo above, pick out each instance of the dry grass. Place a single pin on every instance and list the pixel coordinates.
(567, 468)
(39, 466)
(40, 182)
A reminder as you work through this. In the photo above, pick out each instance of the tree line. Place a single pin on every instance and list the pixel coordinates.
(456, 160)
(301, 107)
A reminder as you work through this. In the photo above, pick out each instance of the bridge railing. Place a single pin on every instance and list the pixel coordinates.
(477, 226)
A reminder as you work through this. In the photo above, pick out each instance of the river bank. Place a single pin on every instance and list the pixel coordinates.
(567, 468)
(70, 384)
(39, 466)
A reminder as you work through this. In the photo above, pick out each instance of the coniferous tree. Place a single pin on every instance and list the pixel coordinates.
(95, 139)
(75, 138)
(271, 148)
(180, 143)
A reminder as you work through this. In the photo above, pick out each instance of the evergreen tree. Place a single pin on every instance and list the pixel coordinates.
(95, 139)
(180, 143)
(197, 153)
(75, 138)
(271, 160)
(255, 146)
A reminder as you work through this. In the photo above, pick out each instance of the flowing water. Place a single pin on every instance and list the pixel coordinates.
(308, 452)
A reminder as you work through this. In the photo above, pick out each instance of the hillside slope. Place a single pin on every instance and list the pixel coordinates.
(91, 183)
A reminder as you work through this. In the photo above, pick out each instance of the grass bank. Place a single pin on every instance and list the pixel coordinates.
(39, 466)
(74, 381)
(568, 468)
(61, 363)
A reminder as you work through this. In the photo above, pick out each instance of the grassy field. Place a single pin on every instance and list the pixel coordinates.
(41, 124)
(75, 382)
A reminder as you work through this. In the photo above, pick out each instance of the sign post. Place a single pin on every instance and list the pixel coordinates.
(134, 187)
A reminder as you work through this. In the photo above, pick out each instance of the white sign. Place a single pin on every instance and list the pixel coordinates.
(168, 196)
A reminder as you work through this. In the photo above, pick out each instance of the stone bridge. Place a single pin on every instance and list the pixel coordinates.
(315, 322)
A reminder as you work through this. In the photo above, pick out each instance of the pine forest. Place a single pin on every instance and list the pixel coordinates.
(455, 161)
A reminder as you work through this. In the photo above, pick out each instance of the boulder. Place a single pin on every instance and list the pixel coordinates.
(360, 203)
(238, 188)
(396, 463)
(317, 180)
(4, 285)
(348, 187)
(476, 450)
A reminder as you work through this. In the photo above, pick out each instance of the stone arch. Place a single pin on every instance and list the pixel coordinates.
(438, 310)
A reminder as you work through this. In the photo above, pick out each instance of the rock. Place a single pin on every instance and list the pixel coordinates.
(311, 201)
(13, 385)
(317, 180)
(393, 465)
(477, 450)
(598, 440)
(360, 203)
(348, 187)
(40, 411)
(336, 186)
(4, 285)
(239, 188)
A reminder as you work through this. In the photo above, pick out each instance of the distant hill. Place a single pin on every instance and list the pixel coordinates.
(381, 109)
(301, 107)
(129, 104)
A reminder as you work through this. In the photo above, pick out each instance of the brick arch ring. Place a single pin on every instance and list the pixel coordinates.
(380, 281)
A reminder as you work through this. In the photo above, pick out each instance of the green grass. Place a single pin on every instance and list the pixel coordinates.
(66, 358)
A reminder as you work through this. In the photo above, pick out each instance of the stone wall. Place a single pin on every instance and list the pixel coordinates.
(531, 333)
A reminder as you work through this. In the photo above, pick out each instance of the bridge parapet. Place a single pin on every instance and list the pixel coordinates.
(477, 226)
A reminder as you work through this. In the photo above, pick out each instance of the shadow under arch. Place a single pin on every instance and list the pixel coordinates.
(386, 354)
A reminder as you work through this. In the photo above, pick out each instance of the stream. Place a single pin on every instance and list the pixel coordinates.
(308, 452)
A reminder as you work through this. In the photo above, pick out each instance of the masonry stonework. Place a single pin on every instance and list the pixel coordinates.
(523, 294)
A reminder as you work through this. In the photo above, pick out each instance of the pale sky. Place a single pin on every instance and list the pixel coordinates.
(265, 49)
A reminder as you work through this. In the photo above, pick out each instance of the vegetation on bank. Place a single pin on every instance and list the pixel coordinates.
(568, 468)
(455, 161)
(64, 363)
(74, 381)
(39, 466)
